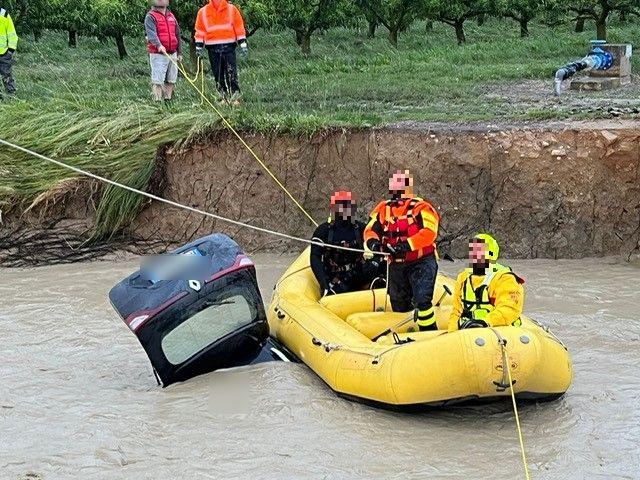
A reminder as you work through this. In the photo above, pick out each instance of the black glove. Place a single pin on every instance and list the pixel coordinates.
(338, 287)
(374, 245)
(10, 52)
(403, 247)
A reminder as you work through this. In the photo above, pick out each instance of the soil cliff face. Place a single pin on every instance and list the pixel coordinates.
(551, 190)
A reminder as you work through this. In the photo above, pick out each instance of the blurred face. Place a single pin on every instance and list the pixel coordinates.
(401, 183)
(478, 254)
(161, 3)
(344, 210)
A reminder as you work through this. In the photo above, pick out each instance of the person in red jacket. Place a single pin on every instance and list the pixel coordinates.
(406, 227)
(163, 38)
(219, 28)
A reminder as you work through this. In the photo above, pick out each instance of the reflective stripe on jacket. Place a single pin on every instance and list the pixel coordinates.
(8, 36)
(496, 298)
(220, 25)
(409, 219)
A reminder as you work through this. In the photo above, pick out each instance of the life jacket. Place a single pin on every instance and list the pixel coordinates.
(166, 28)
(340, 261)
(398, 228)
(216, 26)
(476, 303)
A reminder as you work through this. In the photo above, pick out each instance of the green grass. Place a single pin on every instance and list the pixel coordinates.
(93, 110)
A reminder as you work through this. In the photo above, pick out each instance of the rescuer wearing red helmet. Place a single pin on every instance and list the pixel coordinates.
(406, 227)
(341, 271)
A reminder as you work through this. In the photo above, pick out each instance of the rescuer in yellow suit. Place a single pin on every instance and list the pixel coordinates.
(8, 45)
(487, 294)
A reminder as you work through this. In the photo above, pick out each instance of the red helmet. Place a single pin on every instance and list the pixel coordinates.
(341, 196)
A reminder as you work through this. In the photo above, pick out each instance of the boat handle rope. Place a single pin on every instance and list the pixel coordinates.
(506, 367)
(226, 123)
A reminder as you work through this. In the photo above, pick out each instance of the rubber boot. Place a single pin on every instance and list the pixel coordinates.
(426, 319)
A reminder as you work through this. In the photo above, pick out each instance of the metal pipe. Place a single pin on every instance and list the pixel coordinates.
(596, 59)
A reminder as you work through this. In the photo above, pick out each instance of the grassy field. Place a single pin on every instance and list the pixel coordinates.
(86, 106)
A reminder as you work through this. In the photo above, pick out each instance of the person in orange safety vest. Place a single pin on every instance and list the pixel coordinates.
(406, 227)
(220, 28)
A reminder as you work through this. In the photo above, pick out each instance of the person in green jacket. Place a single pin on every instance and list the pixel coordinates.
(8, 45)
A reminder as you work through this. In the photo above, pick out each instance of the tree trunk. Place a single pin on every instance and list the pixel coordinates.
(122, 49)
(372, 29)
(524, 27)
(393, 37)
(299, 38)
(601, 28)
(73, 38)
(193, 56)
(480, 19)
(460, 36)
(428, 26)
(579, 25)
(623, 16)
(305, 44)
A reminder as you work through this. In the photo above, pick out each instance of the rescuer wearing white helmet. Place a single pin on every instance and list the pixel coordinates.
(487, 294)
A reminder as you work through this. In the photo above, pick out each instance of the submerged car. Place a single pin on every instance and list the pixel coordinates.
(196, 310)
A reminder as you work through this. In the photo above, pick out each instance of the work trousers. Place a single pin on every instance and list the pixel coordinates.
(224, 66)
(6, 64)
(411, 284)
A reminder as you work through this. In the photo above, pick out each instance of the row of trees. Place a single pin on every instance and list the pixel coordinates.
(116, 19)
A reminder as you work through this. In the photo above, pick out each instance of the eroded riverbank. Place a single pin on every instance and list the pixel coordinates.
(545, 189)
(80, 399)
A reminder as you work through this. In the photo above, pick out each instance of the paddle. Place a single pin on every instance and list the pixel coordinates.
(447, 291)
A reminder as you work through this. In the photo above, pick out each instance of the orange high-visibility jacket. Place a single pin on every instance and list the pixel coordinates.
(417, 221)
(215, 26)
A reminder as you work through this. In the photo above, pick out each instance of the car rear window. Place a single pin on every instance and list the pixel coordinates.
(206, 327)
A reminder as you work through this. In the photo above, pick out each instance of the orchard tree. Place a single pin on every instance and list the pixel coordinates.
(72, 16)
(305, 17)
(117, 18)
(395, 15)
(29, 16)
(599, 11)
(456, 13)
(258, 14)
(522, 11)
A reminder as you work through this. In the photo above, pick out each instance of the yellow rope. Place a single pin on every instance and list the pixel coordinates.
(199, 72)
(515, 411)
(246, 145)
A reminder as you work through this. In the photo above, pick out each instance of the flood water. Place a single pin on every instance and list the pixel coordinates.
(78, 398)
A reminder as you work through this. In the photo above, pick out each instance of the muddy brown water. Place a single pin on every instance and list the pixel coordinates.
(78, 398)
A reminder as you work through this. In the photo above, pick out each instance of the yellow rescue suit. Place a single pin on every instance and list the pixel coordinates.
(496, 298)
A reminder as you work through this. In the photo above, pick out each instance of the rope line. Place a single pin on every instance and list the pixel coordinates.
(245, 144)
(515, 411)
(176, 204)
(506, 368)
(199, 71)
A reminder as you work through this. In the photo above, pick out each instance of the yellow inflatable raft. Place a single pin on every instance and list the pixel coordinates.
(332, 335)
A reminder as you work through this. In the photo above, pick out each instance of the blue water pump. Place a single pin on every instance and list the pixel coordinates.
(596, 59)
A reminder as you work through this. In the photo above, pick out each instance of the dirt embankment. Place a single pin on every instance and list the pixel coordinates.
(546, 190)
